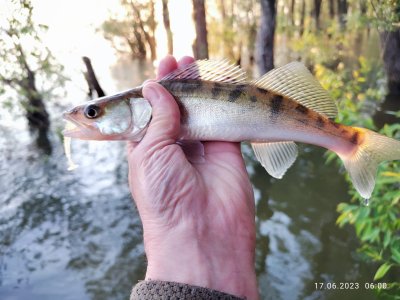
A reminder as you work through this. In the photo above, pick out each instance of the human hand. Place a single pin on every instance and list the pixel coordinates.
(198, 218)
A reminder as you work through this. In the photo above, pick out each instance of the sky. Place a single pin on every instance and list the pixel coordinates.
(73, 27)
(74, 32)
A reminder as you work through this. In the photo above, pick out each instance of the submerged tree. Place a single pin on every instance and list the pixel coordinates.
(387, 19)
(122, 33)
(317, 13)
(135, 31)
(342, 13)
(390, 41)
(265, 37)
(167, 27)
(91, 79)
(144, 16)
(27, 68)
(200, 45)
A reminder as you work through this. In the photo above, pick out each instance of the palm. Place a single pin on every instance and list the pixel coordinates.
(217, 190)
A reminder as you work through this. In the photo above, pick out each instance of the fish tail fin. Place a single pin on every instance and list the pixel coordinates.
(362, 164)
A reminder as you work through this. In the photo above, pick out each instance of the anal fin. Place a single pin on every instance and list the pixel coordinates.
(276, 157)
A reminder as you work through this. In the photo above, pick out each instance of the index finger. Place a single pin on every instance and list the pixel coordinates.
(166, 66)
(169, 64)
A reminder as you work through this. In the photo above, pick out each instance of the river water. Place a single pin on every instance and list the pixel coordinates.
(77, 235)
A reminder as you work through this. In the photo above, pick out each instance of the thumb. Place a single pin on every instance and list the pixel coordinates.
(164, 127)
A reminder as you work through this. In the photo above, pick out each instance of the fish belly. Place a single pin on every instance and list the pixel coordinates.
(208, 119)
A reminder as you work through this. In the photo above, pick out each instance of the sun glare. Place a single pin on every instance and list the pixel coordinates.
(182, 26)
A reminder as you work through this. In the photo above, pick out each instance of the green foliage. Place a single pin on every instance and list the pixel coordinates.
(357, 90)
(377, 224)
(28, 69)
(232, 27)
(385, 15)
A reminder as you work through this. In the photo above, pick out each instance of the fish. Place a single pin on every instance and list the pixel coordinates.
(218, 103)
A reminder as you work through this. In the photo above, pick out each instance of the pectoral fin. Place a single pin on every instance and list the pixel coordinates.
(275, 157)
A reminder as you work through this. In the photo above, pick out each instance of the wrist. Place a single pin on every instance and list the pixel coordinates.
(206, 260)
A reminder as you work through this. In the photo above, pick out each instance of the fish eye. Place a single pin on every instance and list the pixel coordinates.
(92, 111)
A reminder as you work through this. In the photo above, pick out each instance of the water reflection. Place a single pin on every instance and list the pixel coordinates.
(77, 235)
(387, 110)
(63, 228)
(298, 243)
(129, 73)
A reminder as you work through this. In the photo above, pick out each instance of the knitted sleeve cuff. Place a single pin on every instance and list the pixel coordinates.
(160, 290)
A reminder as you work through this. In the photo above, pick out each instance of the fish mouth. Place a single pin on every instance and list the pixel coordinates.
(75, 129)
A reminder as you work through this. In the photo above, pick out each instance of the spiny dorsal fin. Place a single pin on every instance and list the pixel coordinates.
(210, 70)
(275, 157)
(295, 81)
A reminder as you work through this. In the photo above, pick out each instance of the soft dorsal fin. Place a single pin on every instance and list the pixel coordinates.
(275, 157)
(210, 70)
(295, 81)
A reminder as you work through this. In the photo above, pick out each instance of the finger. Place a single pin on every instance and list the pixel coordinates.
(166, 66)
(165, 122)
(184, 61)
(221, 147)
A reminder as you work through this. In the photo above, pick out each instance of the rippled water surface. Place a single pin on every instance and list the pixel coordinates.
(77, 235)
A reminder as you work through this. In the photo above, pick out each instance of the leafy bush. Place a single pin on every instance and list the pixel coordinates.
(377, 223)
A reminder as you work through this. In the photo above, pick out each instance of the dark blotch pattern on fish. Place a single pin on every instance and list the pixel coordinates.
(354, 138)
(304, 121)
(188, 86)
(236, 93)
(215, 91)
(276, 104)
(253, 99)
(320, 122)
(302, 109)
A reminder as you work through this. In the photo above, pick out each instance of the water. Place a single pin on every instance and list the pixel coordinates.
(77, 235)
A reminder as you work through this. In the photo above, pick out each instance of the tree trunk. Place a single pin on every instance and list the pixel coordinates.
(292, 11)
(390, 45)
(38, 118)
(251, 35)
(152, 35)
(363, 7)
(302, 16)
(265, 37)
(331, 9)
(141, 47)
(167, 26)
(91, 79)
(36, 113)
(317, 12)
(342, 13)
(151, 41)
(200, 46)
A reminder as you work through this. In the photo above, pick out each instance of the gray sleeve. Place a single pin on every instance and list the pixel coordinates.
(163, 290)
